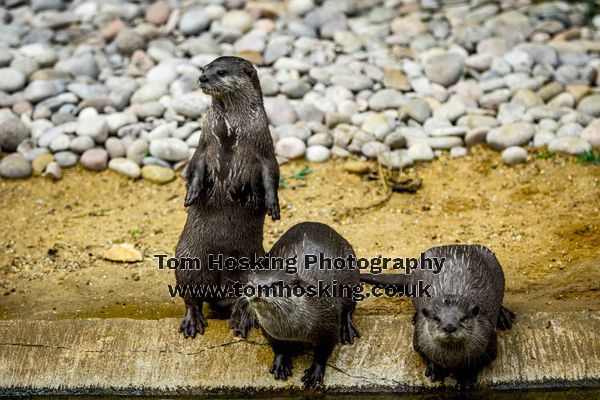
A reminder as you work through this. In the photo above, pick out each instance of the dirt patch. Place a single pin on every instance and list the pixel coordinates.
(542, 219)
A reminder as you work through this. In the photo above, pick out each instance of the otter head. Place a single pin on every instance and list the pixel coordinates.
(227, 76)
(281, 313)
(451, 320)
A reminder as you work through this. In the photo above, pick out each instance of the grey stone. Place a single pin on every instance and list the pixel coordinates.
(81, 144)
(12, 131)
(421, 152)
(290, 148)
(94, 159)
(14, 166)
(318, 154)
(170, 149)
(569, 144)
(194, 21)
(12, 79)
(66, 158)
(513, 134)
(125, 167)
(279, 111)
(514, 155)
(445, 69)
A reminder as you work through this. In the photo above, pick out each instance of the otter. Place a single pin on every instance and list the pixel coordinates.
(232, 182)
(288, 322)
(455, 329)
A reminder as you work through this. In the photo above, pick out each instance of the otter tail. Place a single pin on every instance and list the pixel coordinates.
(386, 279)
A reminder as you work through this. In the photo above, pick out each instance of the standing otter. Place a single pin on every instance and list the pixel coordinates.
(455, 329)
(320, 321)
(232, 182)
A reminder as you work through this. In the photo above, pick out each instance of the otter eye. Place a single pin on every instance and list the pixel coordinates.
(221, 72)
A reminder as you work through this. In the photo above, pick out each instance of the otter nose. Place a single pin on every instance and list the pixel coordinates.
(449, 328)
(203, 79)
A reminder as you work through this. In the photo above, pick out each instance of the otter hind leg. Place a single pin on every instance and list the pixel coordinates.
(282, 361)
(348, 331)
(314, 375)
(435, 372)
(193, 322)
(505, 318)
(195, 173)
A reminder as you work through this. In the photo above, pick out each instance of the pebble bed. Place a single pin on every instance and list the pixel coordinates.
(113, 84)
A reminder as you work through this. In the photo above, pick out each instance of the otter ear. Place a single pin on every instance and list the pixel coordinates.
(249, 70)
(426, 312)
(473, 311)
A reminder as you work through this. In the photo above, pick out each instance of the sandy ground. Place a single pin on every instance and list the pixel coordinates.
(542, 219)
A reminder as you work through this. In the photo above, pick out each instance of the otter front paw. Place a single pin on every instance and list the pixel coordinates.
(273, 211)
(241, 321)
(192, 325)
(313, 376)
(282, 367)
(192, 195)
(505, 318)
(348, 330)
(435, 372)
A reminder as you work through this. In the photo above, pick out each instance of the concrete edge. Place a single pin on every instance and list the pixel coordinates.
(149, 357)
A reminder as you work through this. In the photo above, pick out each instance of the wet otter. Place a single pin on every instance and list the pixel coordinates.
(455, 329)
(232, 181)
(288, 321)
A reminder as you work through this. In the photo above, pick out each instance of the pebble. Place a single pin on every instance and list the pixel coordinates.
(94, 126)
(193, 21)
(94, 159)
(513, 134)
(66, 159)
(125, 167)
(115, 147)
(157, 174)
(12, 79)
(421, 152)
(158, 13)
(290, 148)
(318, 154)
(445, 69)
(591, 133)
(417, 109)
(543, 138)
(514, 155)
(170, 149)
(386, 98)
(81, 144)
(12, 131)
(14, 166)
(39, 164)
(279, 111)
(590, 105)
(458, 151)
(569, 144)
(53, 171)
(123, 253)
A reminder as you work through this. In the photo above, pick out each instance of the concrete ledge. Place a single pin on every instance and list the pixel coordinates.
(123, 356)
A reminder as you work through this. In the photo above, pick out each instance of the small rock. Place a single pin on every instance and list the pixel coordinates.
(571, 145)
(191, 105)
(386, 98)
(137, 150)
(157, 174)
(513, 134)
(127, 41)
(12, 79)
(94, 126)
(53, 171)
(123, 253)
(158, 13)
(417, 109)
(194, 21)
(379, 125)
(170, 149)
(395, 140)
(12, 131)
(357, 167)
(279, 111)
(14, 166)
(457, 152)
(445, 69)
(66, 158)
(81, 144)
(591, 133)
(514, 155)
(290, 148)
(318, 154)
(570, 129)
(125, 167)
(94, 159)
(39, 164)
(115, 147)
(421, 152)
(590, 105)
